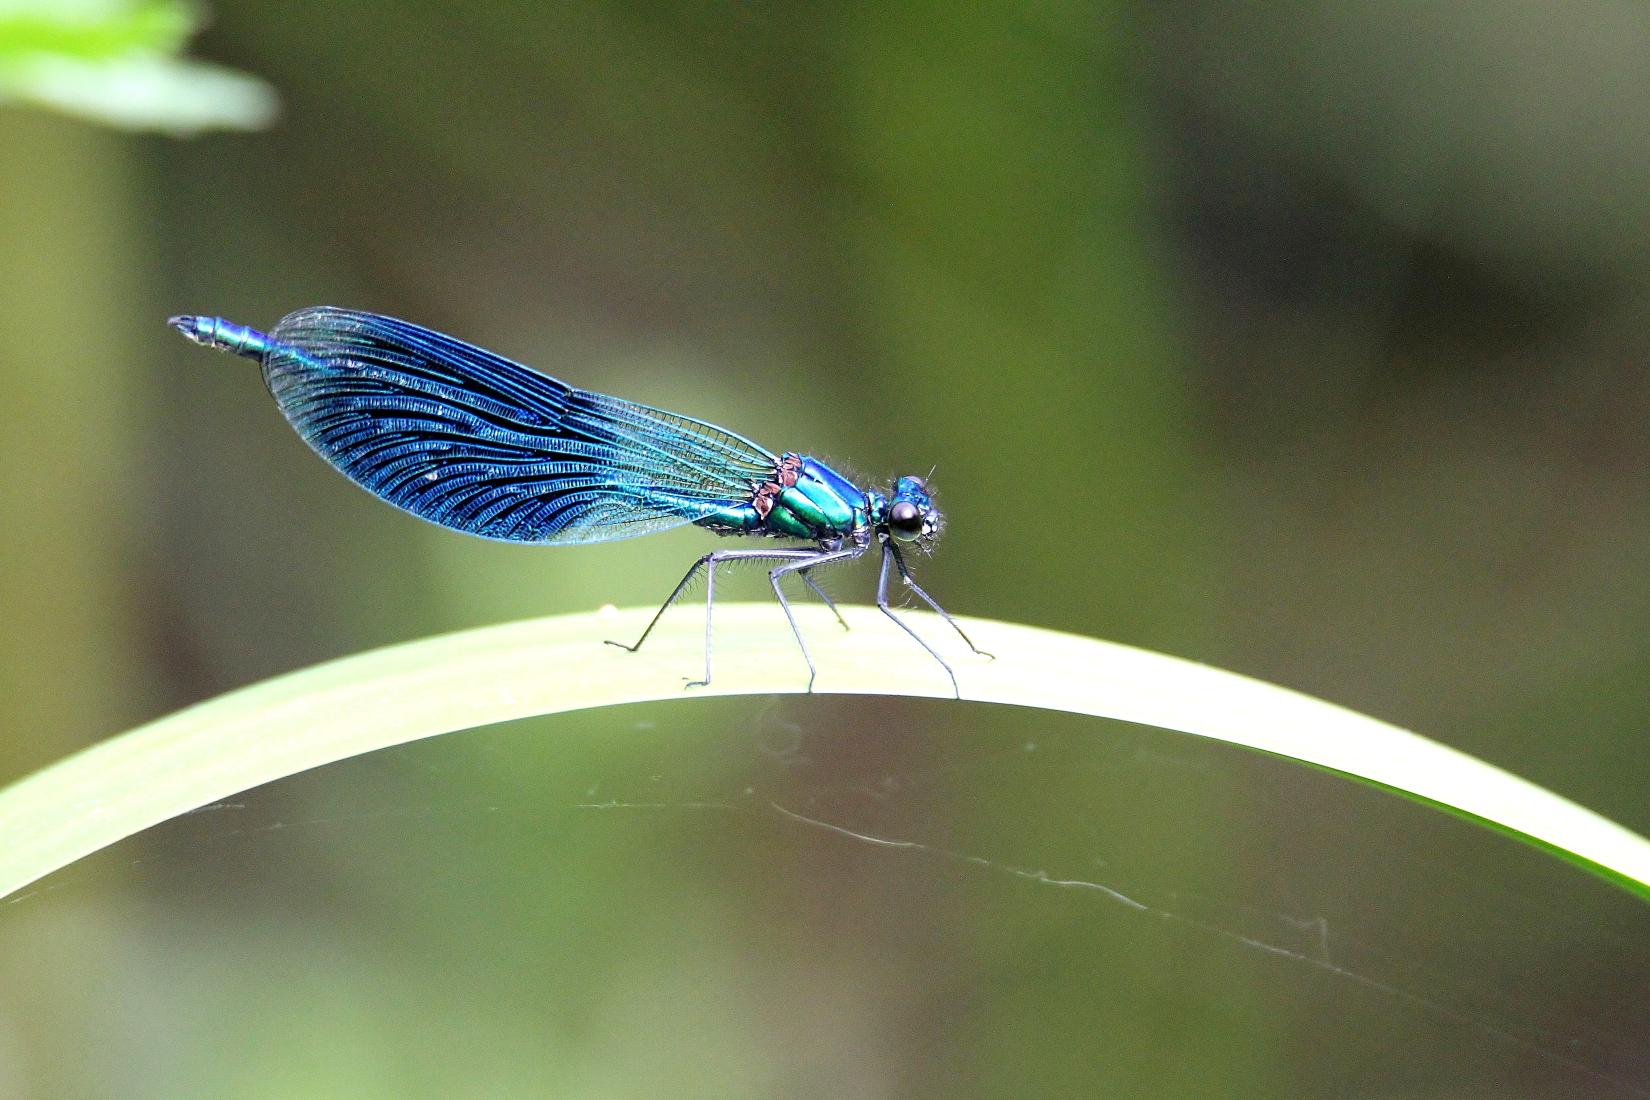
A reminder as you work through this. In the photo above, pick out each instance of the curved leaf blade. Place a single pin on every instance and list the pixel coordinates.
(386, 697)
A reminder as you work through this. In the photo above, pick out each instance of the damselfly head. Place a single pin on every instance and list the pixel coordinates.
(911, 515)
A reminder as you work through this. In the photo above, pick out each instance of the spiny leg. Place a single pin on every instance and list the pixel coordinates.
(910, 582)
(710, 590)
(814, 559)
(675, 594)
(806, 573)
(709, 563)
(888, 552)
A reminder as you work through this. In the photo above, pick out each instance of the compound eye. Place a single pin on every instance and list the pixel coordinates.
(905, 521)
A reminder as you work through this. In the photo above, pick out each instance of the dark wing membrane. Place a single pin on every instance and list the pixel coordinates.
(470, 440)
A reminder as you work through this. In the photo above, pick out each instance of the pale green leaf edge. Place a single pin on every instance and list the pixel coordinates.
(116, 63)
(556, 665)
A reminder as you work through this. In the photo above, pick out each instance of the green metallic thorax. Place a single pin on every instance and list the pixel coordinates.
(818, 505)
(809, 510)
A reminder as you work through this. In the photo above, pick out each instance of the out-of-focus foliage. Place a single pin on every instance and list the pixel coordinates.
(114, 61)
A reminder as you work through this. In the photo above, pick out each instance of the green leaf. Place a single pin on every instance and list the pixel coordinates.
(113, 61)
(389, 696)
(92, 29)
(142, 92)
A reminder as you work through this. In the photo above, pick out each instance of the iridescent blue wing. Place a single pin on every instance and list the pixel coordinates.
(470, 440)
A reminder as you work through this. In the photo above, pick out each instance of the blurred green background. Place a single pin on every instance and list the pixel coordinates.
(1304, 339)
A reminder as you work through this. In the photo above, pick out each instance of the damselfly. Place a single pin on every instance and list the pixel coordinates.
(472, 441)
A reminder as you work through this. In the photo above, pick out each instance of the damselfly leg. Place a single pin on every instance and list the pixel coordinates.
(911, 583)
(794, 560)
(889, 554)
(807, 576)
(825, 557)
